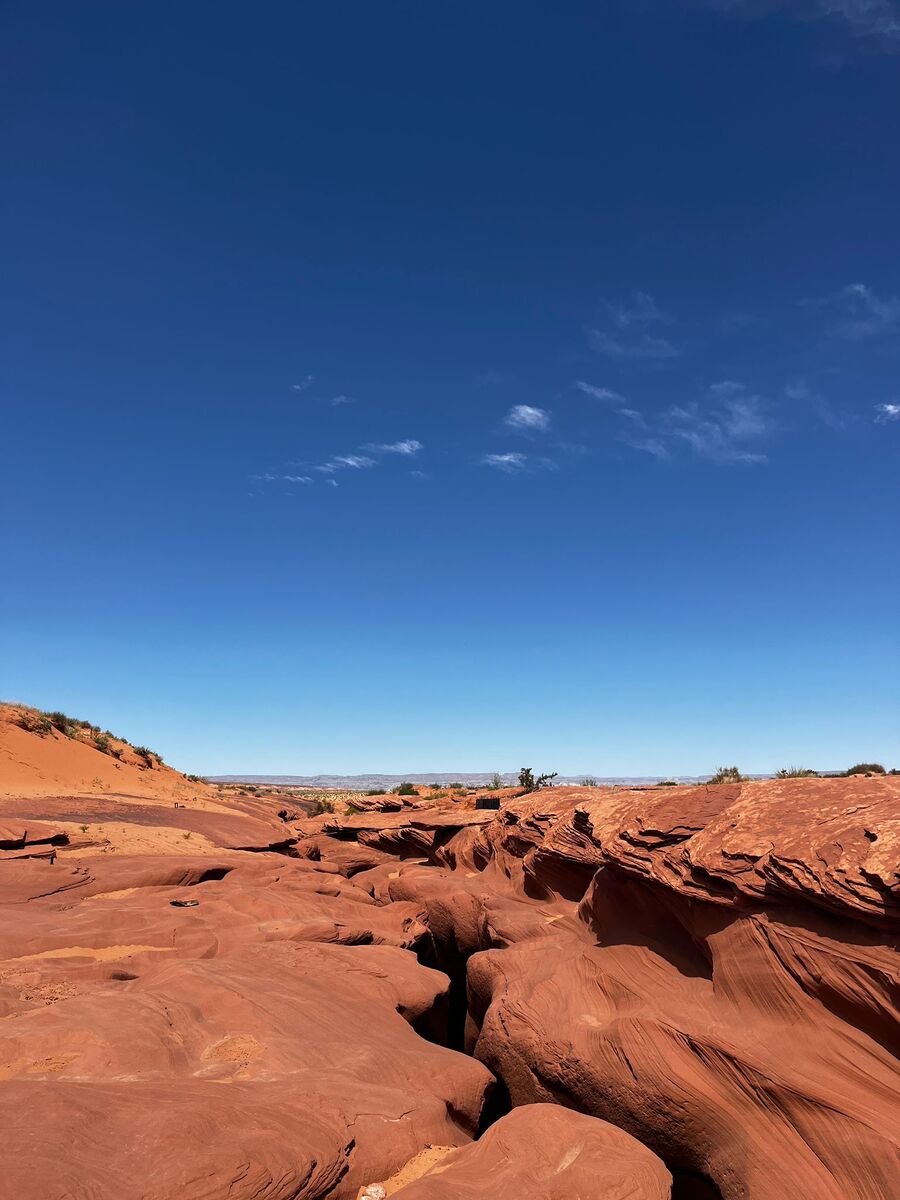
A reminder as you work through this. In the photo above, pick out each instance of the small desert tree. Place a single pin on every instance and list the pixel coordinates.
(528, 782)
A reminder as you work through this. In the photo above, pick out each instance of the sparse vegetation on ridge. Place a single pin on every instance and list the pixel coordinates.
(866, 769)
(795, 773)
(727, 775)
(321, 806)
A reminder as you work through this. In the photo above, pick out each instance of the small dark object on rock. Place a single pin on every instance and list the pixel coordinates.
(184, 903)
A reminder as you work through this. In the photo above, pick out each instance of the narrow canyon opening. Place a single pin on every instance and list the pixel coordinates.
(446, 1024)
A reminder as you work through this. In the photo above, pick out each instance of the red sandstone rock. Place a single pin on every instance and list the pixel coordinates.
(542, 1152)
(711, 970)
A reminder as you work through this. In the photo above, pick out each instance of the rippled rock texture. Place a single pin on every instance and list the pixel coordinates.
(581, 995)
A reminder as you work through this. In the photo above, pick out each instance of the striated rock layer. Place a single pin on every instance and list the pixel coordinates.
(708, 975)
(725, 989)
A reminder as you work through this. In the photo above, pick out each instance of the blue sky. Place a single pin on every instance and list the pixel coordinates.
(455, 386)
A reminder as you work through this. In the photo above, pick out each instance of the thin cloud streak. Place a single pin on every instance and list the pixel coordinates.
(407, 448)
(725, 429)
(527, 417)
(632, 330)
(270, 477)
(510, 462)
(862, 313)
(340, 462)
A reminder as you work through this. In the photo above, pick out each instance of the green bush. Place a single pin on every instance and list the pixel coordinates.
(405, 789)
(34, 722)
(496, 783)
(589, 781)
(60, 721)
(318, 807)
(866, 769)
(727, 775)
(101, 743)
(376, 792)
(796, 773)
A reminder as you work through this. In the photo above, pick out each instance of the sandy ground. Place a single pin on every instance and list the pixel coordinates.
(414, 1169)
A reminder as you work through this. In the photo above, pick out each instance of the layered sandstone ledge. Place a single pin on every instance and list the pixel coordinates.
(700, 981)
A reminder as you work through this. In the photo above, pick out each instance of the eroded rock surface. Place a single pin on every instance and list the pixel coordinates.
(542, 1152)
(697, 980)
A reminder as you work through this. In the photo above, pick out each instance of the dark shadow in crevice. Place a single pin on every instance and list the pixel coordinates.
(496, 1105)
(691, 1185)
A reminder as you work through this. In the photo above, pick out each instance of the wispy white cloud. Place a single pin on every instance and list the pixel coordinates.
(408, 448)
(861, 312)
(271, 477)
(509, 462)
(527, 417)
(651, 445)
(337, 401)
(799, 392)
(632, 330)
(303, 384)
(887, 412)
(340, 462)
(726, 431)
(616, 402)
(600, 393)
(725, 427)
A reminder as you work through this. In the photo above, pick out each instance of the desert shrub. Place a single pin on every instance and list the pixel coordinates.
(376, 792)
(667, 783)
(34, 722)
(101, 743)
(457, 787)
(194, 778)
(351, 810)
(589, 781)
(405, 789)
(60, 721)
(866, 769)
(145, 754)
(795, 773)
(528, 782)
(318, 807)
(727, 775)
(496, 782)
